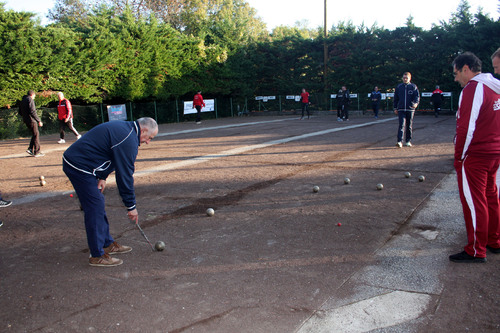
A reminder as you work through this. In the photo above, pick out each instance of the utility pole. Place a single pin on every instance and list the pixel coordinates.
(325, 59)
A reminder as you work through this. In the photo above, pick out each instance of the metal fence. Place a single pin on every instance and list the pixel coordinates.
(88, 116)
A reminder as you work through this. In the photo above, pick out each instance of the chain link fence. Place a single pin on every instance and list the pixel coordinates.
(88, 116)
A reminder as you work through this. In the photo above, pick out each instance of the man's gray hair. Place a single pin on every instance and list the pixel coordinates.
(496, 54)
(149, 123)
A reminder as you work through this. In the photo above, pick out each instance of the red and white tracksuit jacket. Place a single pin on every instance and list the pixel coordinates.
(64, 110)
(477, 158)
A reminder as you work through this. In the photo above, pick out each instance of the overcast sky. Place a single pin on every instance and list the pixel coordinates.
(387, 13)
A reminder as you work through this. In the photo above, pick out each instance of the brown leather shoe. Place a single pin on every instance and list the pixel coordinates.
(115, 248)
(104, 261)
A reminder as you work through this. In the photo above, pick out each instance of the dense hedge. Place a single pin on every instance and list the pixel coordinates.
(112, 55)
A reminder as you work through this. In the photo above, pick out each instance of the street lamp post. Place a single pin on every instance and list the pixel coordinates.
(325, 58)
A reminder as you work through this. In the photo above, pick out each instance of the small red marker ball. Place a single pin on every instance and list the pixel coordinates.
(71, 195)
(339, 224)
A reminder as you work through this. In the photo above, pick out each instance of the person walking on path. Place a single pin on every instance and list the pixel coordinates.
(376, 97)
(198, 103)
(304, 98)
(437, 100)
(65, 115)
(477, 157)
(27, 110)
(108, 147)
(406, 99)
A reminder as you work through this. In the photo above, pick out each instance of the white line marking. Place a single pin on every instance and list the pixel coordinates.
(164, 134)
(240, 150)
(374, 313)
(209, 157)
(225, 126)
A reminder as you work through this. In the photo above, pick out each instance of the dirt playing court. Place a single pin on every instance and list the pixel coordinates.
(275, 257)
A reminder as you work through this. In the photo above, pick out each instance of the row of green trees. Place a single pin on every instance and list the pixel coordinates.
(115, 51)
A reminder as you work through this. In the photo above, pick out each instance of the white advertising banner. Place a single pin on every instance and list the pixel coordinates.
(209, 106)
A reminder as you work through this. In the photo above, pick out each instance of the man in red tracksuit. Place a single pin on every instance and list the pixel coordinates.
(477, 157)
(65, 116)
(198, 103)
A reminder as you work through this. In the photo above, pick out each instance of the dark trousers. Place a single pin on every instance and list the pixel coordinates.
(92, 201)
(305, 107)
(376, 107)
(198, 113)
(35, 137)
(344, 112)
(405, 125)
(437, 109)
(63, 124)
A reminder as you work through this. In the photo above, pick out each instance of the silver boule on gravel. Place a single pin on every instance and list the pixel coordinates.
(407, 174)
(380, 187)
(315, 189)
(43, 182)
(210, 212)
(421, 178)
(347, 181)
(159, 246)
(42, 178)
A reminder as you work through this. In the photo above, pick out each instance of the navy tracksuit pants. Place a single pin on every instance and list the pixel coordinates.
(92, 201)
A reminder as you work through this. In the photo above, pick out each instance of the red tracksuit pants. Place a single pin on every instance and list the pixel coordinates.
(479, 196)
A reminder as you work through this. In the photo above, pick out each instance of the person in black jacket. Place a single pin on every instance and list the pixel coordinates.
(27, 110)
(376, 96)
(406, 99)
(343, 103)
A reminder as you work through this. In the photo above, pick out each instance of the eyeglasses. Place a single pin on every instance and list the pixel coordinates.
(455, 72)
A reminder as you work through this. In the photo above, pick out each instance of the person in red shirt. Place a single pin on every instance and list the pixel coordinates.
(437, 99)
(65, 116)
(477, 157)
(198, 103)
(304, 98)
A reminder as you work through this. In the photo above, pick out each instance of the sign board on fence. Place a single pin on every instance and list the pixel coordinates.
(264, 98)
(290, 96)
(350, 95)
(390, 94)
(429, 94)
(117, 112)
(209, 106)
(382, 96)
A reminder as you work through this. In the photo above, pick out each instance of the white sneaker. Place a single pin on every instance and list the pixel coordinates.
(78, 136)
(339, 119)
(408, 144)
(399, 144)
(61, 141)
